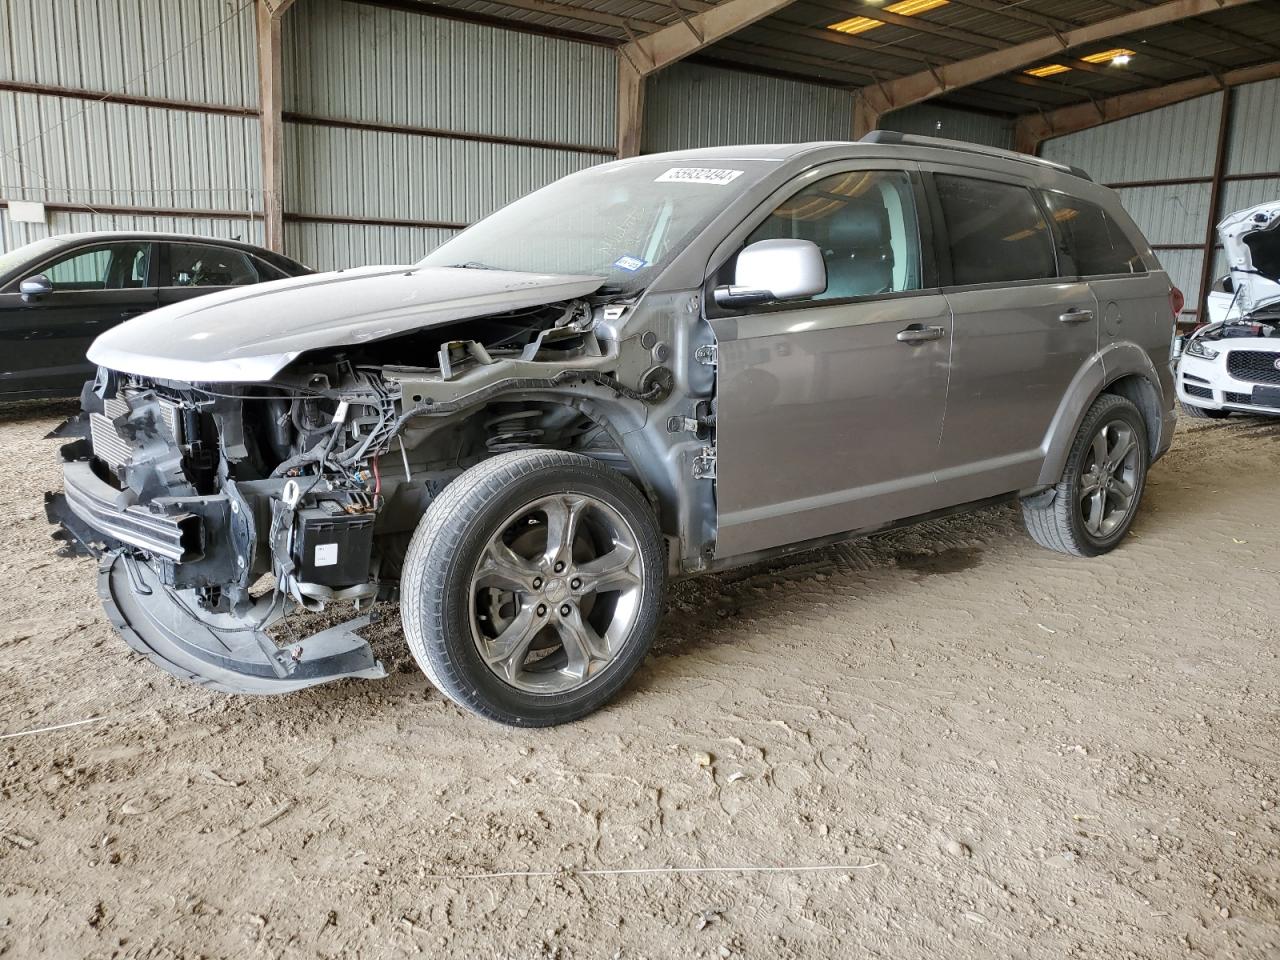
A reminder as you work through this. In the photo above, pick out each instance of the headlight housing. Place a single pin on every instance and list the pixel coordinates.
(1196, 347)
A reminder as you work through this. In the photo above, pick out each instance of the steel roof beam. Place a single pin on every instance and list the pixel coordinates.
(1033, 128)
(875, 101)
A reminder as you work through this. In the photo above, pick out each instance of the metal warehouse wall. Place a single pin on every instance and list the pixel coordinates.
(403, 128)
(1163, 164)
(181, 155)
(695, 105)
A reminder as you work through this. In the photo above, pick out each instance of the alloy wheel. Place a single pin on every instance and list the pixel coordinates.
(556, 593)
(1109, 479)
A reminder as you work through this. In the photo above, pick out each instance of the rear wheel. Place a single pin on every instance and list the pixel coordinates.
(1203, 413)
(1093, 505)
(533, 587)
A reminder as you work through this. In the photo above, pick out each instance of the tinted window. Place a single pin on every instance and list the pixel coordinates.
(996, 230)
(865, 224)
(1091, 240)
(204, 265)
(112, 266)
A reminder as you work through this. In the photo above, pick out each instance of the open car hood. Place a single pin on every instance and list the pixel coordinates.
(250, 334)
(1251, 239)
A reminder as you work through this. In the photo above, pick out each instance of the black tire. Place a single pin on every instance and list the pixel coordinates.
(1057, 521)
(1202, 413)
(436, 584)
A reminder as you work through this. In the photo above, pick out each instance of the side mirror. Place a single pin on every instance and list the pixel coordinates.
(33, 288)
(770, 271)
(1228, 284)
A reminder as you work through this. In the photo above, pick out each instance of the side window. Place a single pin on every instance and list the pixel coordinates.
(865, 224)
(1092, 240)
(113, 266)
(206, 265)
(996, 231)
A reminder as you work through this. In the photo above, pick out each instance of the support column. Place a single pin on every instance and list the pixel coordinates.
(630, 108)
(1215, 204)
(865, 117)
(270, 14)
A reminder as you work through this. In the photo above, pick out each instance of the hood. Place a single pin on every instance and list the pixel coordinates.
(250, 334)
(1251, 239)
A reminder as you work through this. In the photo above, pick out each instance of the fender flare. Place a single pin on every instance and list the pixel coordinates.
(1098, 372)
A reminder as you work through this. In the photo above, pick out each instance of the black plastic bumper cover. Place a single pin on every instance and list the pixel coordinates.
(232, 658)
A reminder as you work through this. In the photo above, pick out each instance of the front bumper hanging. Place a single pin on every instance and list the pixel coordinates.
(232, 655)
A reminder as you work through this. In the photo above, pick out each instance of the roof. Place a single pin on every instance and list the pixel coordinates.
(796, 42)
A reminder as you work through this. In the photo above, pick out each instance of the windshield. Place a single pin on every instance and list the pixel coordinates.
(622, 221)
(33, 251)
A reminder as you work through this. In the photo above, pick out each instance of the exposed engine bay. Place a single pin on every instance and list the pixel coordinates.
(219, 508)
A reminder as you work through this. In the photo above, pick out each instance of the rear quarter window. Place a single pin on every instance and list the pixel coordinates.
(996, 231)
(1092, 242)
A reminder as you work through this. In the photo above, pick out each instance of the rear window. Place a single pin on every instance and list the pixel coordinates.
(1092, 241)
(996, 231)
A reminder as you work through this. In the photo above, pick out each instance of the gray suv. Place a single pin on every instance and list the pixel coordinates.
(654, 368)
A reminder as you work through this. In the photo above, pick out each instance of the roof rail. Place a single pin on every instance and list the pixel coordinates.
(915, 140)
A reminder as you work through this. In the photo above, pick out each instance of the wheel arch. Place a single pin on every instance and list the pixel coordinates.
(1122, 369)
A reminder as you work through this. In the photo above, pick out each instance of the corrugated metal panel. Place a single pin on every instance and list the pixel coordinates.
(111, 153)
(362, 173)
(13, 235)
(197, 50)
(1242, 194)
(333, 246)
(1169, 214)
(935, 121)
(1183, 267)
(1176, 141)
(1255, 135)
(370, 63)
(692, 105)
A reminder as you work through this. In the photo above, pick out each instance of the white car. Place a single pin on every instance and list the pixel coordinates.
(1233, 362)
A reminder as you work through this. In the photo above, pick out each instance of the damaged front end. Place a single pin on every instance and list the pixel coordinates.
(218, 509)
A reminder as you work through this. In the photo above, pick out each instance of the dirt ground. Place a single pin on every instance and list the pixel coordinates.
(944, 742)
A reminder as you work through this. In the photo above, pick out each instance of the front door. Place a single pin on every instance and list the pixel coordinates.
(43, 340)
(829, 410)
(1022, 334)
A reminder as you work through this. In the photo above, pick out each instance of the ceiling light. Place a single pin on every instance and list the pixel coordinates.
(904, 8)
(1048, 70)
(1121, 60)
(1118, 55)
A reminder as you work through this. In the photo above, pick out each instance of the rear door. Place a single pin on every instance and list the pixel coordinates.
(829, 410)
(192, 269)
(43, 341)
(1022, 332)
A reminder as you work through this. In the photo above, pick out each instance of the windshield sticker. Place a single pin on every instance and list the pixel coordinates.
(630, 264)
(699, 175)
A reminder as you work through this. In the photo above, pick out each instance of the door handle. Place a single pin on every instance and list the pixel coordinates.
(126, 314)
(1075, 315)
(919, 334)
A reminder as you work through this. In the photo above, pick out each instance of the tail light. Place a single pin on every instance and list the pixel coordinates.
(1176, 302)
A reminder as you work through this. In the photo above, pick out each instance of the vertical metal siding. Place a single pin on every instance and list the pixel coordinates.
(14, 235)
(125, 155)
(369, 63)
(934, 121)
(692, 105)
(1172, 142)
(362, 173)
(1183, 267)
(1255, 133)
(1176, 213)
(1242, 194)
(197, 50)
(333, 246)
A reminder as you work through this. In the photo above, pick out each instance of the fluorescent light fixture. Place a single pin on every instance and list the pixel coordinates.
(1119, 54)
(1048, 70)
(903, 8)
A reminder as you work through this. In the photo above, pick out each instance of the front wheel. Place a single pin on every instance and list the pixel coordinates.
(533, 586)
(1093, 505)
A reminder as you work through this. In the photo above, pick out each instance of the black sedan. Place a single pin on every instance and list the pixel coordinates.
(58, 294)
